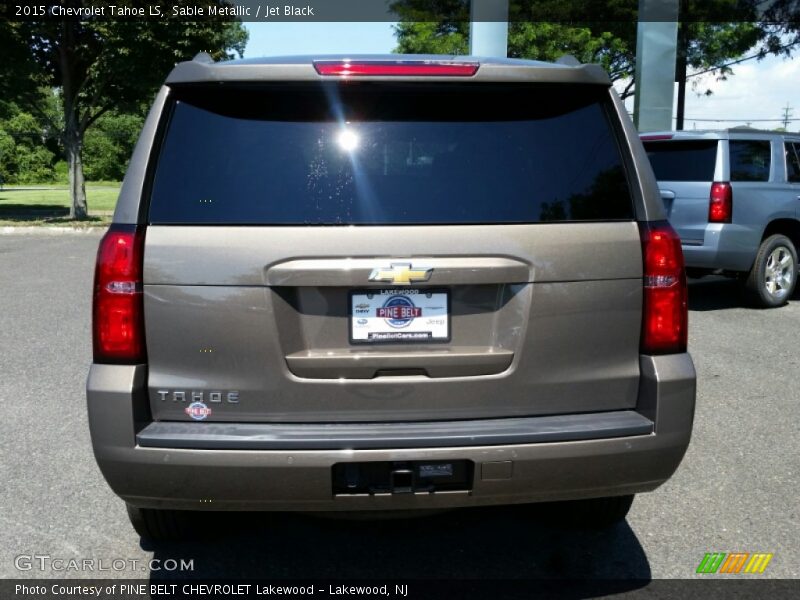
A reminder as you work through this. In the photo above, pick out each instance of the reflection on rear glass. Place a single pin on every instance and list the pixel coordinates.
(362, 155)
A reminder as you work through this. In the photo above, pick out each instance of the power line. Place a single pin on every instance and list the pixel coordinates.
(780, 120)
(746, 58)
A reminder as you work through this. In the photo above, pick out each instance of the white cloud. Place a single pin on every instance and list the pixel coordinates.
(756, 90)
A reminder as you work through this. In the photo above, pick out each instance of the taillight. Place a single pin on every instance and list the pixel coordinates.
(720, 207)
(118, 311)
(356, 68)
(665, 312)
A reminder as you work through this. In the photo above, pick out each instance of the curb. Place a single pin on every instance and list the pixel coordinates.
(43, 230)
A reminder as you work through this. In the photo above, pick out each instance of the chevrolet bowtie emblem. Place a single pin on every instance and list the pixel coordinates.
(401, 274)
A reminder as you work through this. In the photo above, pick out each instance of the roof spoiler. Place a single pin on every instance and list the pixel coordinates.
(568, 61)
(204, 58)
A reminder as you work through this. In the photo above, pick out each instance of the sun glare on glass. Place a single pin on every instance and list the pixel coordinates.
(347, 140)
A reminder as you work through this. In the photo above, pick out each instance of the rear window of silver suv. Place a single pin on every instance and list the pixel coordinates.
(692, 160)
(749, 160)
(792, 150)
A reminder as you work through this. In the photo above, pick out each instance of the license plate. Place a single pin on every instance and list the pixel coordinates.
(399, 315)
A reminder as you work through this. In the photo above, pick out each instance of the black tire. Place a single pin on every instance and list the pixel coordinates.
(772, 280)
(695, 273)
(161, 525)
(594, 513)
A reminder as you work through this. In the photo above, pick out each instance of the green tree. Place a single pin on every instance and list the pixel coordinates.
(24, 153)
(108, 145)
(548, 29)
(7, 147)
(100, 65)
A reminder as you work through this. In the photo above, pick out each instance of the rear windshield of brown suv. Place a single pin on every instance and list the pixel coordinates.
(372, 153)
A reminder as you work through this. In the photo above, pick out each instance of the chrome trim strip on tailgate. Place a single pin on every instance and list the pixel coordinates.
(354, 436)
(449, 270)
(448, 362)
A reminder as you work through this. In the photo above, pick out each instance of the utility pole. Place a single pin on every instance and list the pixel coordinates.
(787, 114)
(680, 68)
(656, 53)
(488, 31)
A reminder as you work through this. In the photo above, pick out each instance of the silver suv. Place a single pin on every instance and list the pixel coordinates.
(386, 283)
(734, 198)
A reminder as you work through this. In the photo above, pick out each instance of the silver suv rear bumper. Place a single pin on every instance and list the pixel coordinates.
(589, 461)
(724, 246)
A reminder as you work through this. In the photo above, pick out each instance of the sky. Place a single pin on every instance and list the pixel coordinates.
(757, 89)
(282, 38)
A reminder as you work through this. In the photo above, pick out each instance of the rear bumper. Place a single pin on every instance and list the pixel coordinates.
(586, 457)
(724, 246)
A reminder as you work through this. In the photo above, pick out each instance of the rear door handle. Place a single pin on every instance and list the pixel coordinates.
(351, 272)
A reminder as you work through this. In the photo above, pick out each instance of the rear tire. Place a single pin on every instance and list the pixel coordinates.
(594, 513)
(772, 279)
(695, 273)
(161, 525)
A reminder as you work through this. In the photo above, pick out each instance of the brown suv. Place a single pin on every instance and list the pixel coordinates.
(387, 283)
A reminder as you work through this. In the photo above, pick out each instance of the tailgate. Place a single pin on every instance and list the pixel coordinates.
(685, 170)
(388, 252)
(543, 319)
(687, 204)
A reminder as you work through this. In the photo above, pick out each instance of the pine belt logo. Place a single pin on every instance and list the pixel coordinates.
(197, 410)
(734, 562)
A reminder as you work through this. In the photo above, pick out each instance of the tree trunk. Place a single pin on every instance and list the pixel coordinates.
(73, 130)
(73, 143)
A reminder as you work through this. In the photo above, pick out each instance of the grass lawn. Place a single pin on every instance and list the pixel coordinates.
(39, 204)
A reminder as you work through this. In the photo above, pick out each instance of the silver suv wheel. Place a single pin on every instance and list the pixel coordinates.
(779, 273)
(772, 279)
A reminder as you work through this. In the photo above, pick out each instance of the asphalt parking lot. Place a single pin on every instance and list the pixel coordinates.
(737, 489)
